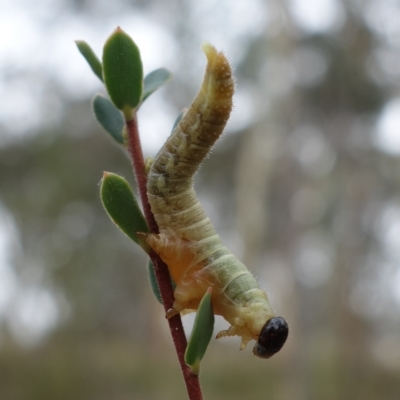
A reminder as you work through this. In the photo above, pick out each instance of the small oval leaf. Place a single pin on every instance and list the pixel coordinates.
(109, 117)
(91, 58)
(123, 71)
(177, 120)
(155, 80)
(122, 207)
(153, 281)
(201, 334)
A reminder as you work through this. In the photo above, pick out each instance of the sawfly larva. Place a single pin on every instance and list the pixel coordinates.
(188, 243)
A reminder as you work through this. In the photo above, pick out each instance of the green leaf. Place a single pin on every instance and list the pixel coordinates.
(201, 334)
(109, 117)
(154, 80)
(122, 207)
(177, 120)
(123, 71)
(91, 58)
(153, 281)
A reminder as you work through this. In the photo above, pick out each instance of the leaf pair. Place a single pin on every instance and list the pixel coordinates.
(121, 71)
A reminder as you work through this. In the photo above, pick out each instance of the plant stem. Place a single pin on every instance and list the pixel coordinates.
(161, 270)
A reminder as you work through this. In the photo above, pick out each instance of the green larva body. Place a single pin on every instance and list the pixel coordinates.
(187, 242)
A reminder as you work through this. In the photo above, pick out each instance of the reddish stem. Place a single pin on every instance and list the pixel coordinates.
(161, 270)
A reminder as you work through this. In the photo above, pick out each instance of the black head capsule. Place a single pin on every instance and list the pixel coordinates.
(272, 337)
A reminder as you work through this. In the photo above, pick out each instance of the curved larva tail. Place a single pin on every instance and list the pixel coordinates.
(217, 87)
(198, 130)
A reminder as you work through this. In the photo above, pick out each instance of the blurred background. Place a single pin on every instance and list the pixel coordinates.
(304, 187)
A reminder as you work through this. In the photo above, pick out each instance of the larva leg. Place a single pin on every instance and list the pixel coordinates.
(190, 291)
(188, 295)
(235, 331)
(178, 254)
(171, 312)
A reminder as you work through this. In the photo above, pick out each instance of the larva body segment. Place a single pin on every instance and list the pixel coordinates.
(188, 242)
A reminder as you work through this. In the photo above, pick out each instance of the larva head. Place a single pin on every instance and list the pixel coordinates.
(272, 337)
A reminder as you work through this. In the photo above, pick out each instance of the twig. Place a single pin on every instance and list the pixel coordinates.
(161, 270)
